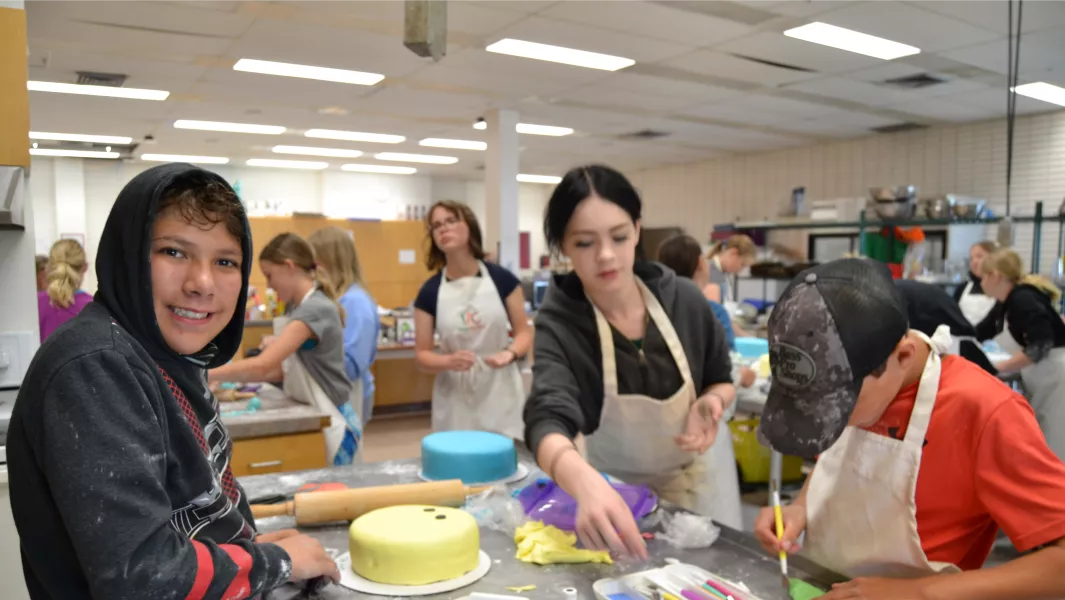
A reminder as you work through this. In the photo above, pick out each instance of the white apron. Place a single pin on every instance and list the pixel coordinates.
(975, 307)
(1044, 385)
(635, 438)
(300, 386)
(860, 509)
(470, 315)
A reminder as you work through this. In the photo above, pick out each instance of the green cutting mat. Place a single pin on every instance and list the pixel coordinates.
(800, 590)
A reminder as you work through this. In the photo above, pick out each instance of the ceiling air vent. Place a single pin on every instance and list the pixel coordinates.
(644, 134)
(104, 79)
(897, 127)
(913, 82)
(773, 63)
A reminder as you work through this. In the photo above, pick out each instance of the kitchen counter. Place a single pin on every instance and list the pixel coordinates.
(735, 555)
(279, 415)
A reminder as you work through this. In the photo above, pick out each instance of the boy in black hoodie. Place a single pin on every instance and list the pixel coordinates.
(119, 463)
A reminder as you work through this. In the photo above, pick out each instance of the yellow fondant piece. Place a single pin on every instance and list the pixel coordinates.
(547, 545)
(763, 366)
(524, 588)
(414, 545)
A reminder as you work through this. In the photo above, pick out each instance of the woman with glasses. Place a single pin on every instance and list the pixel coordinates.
(478, 310)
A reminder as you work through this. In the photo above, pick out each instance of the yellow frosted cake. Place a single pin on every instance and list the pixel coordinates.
(414, 545)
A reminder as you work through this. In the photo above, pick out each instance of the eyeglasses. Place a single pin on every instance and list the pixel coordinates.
(448, 222)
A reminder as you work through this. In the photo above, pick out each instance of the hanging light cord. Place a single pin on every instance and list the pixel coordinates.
(1012, 76)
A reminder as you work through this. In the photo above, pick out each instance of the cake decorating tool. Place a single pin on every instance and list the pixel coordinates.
(663, 583)
(346, 505)
(778, 514)
(711, 586)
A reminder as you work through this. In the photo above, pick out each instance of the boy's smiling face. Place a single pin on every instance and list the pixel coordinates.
(196, 280)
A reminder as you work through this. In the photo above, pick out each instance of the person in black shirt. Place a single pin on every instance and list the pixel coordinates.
(1031, 330)
(928, 307)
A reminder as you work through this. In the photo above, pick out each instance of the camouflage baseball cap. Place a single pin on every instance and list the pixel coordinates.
(834, 325)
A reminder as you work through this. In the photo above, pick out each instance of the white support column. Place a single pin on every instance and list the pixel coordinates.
(70, 207)
(501, 187)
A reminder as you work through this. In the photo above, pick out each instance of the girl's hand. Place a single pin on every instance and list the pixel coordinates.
(701, 430)
(499, 359)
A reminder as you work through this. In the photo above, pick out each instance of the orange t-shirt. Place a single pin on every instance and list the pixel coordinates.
(985, 466)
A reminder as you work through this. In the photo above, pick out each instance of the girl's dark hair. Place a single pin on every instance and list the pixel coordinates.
(682, 254)
(436, 259)
(582, 183)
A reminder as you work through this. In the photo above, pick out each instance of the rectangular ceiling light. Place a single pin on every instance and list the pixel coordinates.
(230, 127)
(307, 165)
(268, 67)
(416, 158)
(851, 41)
(379, 169)
(1044, 91)
(311, 151)
(354, 136)
(96, 90)
(530, 129)
(77, 137)
(73, 153)
(188, 158)
(539, 179)
(456, 144)
(559, 54)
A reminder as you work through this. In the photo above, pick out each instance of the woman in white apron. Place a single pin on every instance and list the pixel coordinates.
(726, 260)
(478, 311)
(629, 356)
(1032, 332)
(971, 299)
(307, 351)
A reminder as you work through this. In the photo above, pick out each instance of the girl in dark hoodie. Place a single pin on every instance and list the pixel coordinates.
(118, 460)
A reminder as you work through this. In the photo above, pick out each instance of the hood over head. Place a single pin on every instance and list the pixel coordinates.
(123, 265)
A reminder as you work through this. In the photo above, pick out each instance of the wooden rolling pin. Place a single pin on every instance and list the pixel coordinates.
(347, 505)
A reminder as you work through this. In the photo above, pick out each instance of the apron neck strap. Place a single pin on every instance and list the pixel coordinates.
(928, 387)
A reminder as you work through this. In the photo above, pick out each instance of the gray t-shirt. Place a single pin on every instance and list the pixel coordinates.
(324, 357)
(721, 278)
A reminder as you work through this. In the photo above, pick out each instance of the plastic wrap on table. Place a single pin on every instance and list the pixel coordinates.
(496, 509)
(545, 501)
(686, 530)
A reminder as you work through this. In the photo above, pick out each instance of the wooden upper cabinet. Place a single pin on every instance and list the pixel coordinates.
(14, 99)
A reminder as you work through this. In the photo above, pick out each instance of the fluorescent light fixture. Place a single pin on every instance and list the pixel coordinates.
(539, 179)
(77, 137)
(307, 165)
(200, 160)
(269, 67)
(311, 151)
(1044, 91)
(456, 144)
(416, 158)
(96, 90)
(530, 129)
(229, 127)
(73, 153)
(379, 169)
(354, 136)
(559, 54)
(851, 41)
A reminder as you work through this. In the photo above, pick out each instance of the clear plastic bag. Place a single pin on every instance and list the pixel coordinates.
(497, 509)
(687, 530)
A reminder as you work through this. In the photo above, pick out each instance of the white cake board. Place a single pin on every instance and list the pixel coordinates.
(521, 473)
(351, 580)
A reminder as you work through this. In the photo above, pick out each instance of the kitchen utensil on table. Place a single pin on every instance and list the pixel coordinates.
(778, 516)
(938, 207)
(893, 194)
(346, 505)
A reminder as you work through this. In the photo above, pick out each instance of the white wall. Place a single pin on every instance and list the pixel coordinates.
(964, 159)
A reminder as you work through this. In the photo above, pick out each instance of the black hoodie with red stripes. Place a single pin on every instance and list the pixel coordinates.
(118, 460)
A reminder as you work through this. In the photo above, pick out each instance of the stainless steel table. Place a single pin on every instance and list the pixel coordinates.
(736, 555)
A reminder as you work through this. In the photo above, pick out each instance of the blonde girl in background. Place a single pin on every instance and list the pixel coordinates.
(62, 298)
(1030, 329)
(41, 262)
(974, 303)
(307, 350)
(335, 250)
(727, 259)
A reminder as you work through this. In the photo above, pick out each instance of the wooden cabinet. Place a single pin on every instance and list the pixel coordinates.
(281, 453)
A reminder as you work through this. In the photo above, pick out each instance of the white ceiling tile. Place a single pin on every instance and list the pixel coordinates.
(421, 103)
(257, 91)
(840, 122)
(372, 10)
(592, 39)
(853, 91)
(907, 24)
(121, 40)
(945, 110)
(806, 8)
(629, 16)
(511, 68)
(146, 18)
(885, 70)
(596, 95)
(649, 84)
(1040, 51)
(789, 51)
(993, 16)
(474, 19)
(995, 101)
(717, 64)
(527, 7)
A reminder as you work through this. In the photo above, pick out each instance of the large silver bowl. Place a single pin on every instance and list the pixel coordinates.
(893, 194)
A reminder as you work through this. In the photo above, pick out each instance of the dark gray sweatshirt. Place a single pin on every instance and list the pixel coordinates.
(567, 390)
